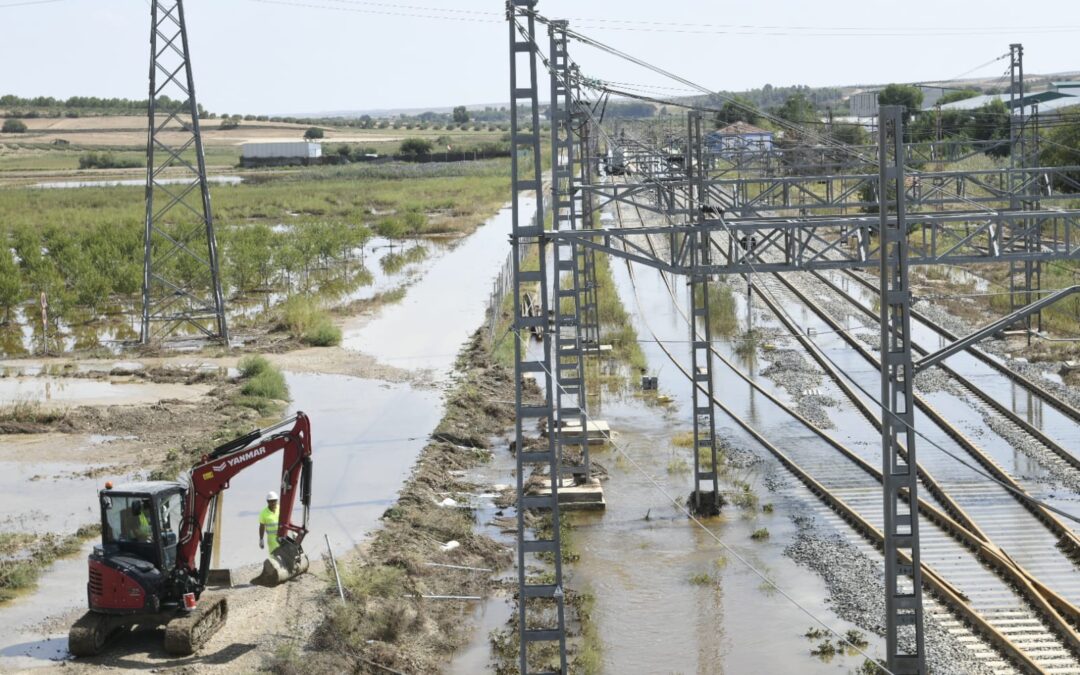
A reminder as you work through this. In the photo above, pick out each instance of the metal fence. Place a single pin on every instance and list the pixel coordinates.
(503, 283)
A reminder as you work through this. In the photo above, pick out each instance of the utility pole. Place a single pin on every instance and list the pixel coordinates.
(903, 570)
(181, 277)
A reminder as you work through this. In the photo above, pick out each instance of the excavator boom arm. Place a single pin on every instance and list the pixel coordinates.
(210, 477)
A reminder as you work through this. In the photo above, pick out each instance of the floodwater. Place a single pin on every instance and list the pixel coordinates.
(134, 182)
(59, 392)
(426, 329)
(668, 597)
(640, 555)
(366, 436)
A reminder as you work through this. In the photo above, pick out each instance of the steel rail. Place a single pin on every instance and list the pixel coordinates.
(1033, 386)
(1068, 538)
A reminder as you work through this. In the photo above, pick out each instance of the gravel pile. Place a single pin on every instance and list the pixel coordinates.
(789, 369)
(856, 586)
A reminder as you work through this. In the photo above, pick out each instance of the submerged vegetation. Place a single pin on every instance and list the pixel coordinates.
(82, 249)
(23, 556)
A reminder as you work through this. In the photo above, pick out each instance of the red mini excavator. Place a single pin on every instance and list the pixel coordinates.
(157, 539)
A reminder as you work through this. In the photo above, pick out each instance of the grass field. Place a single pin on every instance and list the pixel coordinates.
(57, 144)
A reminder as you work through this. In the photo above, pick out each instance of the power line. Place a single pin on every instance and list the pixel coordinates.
(376, 12)
(29, 2)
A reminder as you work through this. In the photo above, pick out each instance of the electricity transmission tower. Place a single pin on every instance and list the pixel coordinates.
(181, 276)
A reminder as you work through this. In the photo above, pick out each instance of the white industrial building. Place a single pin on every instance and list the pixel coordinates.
(288, 152)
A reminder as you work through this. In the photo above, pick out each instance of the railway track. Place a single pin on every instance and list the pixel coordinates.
(1027, 623)
(1062, 422)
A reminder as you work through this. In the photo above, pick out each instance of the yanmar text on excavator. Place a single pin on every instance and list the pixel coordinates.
(157, 540)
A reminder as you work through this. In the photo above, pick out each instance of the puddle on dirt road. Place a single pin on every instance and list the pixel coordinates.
(65, 499)
(440, 311)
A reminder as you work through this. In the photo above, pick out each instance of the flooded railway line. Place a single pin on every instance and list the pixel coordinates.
(1028, 624)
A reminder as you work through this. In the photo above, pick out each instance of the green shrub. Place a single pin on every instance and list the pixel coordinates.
(270, 383)
(107, 160)
(416, 147)
(323, 334)
(252, 365)
(760, 535)
(302, 317)
(390, 228)
(14, 126)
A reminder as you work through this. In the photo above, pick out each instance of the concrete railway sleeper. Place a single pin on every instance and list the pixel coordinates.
(1050, 606)
(951, 596)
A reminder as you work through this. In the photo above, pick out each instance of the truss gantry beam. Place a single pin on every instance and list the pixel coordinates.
(181, 276)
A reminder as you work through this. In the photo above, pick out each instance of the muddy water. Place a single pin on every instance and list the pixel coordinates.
(425, 331)
(55, 392)
(640, 555)
(366, 435)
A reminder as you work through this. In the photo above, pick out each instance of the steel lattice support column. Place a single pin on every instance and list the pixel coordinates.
(585, 158)
(181, 277)
(536, 601)
(1025, 278)
(903, 570)
(570, 393)
(706, 494)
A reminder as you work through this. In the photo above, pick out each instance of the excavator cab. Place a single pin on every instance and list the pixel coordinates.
(137, 555)
(142, 521)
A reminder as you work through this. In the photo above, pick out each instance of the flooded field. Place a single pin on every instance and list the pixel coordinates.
(366, 432)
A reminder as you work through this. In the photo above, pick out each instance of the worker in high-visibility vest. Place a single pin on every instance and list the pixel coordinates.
(138, 522)
(268, 522)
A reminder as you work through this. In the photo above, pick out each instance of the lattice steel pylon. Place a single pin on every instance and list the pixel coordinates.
(906, 652)
(538, 599)
(706, 494)
(181, 276)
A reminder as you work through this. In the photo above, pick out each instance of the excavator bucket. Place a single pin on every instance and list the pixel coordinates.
(287, 562)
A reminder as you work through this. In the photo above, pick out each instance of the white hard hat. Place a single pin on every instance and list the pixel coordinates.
(271, 496)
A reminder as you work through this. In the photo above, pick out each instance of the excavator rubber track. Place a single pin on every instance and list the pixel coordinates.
(185, 635)
(89, 635)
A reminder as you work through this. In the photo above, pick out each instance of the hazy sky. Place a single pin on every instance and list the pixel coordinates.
(282, 56)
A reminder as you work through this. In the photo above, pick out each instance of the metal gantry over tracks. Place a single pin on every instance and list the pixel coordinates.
(716, 203)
